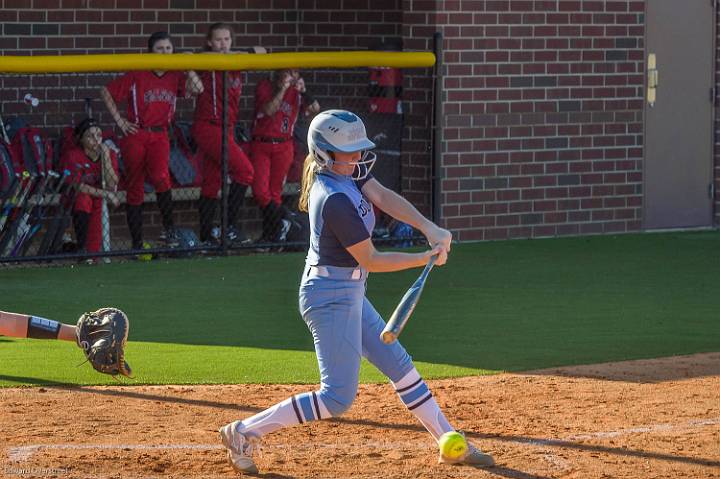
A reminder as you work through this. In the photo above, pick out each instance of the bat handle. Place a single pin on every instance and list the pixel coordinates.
(388, 337)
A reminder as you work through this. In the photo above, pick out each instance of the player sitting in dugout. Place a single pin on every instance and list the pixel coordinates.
(93, 168)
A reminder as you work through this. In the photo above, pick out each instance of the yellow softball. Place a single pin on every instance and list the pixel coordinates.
(453, 445)
(145, 256)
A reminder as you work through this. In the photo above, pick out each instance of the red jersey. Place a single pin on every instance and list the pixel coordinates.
(282, 123)
(83, 169)
(150, 98)
(209, 106)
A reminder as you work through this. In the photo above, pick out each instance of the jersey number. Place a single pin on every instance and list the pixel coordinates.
(364, 208)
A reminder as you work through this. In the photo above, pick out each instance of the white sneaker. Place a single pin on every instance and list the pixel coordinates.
(284, 230)
(240, 448)
(473, 457)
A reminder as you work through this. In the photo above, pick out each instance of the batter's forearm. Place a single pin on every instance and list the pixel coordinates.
(376, 261)
(401, 209)
(387, 262)
(25, 326)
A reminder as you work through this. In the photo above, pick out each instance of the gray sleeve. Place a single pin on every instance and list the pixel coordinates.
(343, 219)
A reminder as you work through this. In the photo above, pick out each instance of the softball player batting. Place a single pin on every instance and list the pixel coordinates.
(151, 98)
(338, 192)
(207, 133)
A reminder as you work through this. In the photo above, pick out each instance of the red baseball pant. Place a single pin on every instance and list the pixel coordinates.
(208, 137)
(93, 206)
(271, 162)
(145, 154)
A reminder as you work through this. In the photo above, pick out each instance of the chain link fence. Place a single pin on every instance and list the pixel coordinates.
(100, 165)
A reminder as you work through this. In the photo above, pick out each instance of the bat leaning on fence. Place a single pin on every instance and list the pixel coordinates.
(19, 227)
(40, 215)
(406, 306)
(12, 197)
(59, 222)
(15, 213)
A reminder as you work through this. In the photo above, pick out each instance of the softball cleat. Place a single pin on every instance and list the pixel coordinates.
(473, 457)
(240, 448)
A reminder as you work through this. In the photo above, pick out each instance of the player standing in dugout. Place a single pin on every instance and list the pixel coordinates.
(207, 133)
(145, 148)
(277, 105)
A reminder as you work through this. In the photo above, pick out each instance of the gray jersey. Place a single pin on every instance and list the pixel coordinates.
(340, 216)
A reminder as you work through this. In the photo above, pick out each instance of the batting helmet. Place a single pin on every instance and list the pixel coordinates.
(340, 130)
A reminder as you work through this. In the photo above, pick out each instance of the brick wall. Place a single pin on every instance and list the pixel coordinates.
(543, 98)
(122, 26)
(55, 27)
(543, 116)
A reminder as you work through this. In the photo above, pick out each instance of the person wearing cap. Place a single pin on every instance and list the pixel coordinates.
(339, 192)
(93, 169)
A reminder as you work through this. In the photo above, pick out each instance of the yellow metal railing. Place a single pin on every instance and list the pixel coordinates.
(154, 61)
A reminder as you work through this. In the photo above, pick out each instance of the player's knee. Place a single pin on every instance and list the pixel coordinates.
(337, 401)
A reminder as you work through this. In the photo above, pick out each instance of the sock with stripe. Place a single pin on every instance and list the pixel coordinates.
(297, 409)
(415, 394)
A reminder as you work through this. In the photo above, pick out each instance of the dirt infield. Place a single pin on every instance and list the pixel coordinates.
(639, 419)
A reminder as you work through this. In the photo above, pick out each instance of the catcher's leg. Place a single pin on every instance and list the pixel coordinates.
(26, 326)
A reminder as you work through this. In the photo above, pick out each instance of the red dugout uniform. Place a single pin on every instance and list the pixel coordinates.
(272, 146)
(151, 105)
(83, 170)
(207, 132)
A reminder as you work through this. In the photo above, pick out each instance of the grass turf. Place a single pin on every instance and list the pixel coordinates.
(500, 306)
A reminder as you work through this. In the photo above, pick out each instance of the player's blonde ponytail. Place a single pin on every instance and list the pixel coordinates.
(308, 178)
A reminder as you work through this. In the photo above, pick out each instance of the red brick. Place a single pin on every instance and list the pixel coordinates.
(31, 16)
(497, 5)
(32, 43)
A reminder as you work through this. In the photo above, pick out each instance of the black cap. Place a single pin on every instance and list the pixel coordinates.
(84, 126)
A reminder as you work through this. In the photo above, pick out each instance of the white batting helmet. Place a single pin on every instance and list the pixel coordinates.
(343, 131)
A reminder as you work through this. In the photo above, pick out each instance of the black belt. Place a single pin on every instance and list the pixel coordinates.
(155, 129)
(268, 139)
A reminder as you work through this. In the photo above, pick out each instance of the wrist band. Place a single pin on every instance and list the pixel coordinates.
(41, 328)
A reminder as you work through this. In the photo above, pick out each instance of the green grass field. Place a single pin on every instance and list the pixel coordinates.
(501, 306)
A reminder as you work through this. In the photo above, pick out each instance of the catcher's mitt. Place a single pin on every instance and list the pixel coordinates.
(102, 335)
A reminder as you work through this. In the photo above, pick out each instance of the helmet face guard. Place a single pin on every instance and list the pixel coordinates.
(362, 167)
(340, 131)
